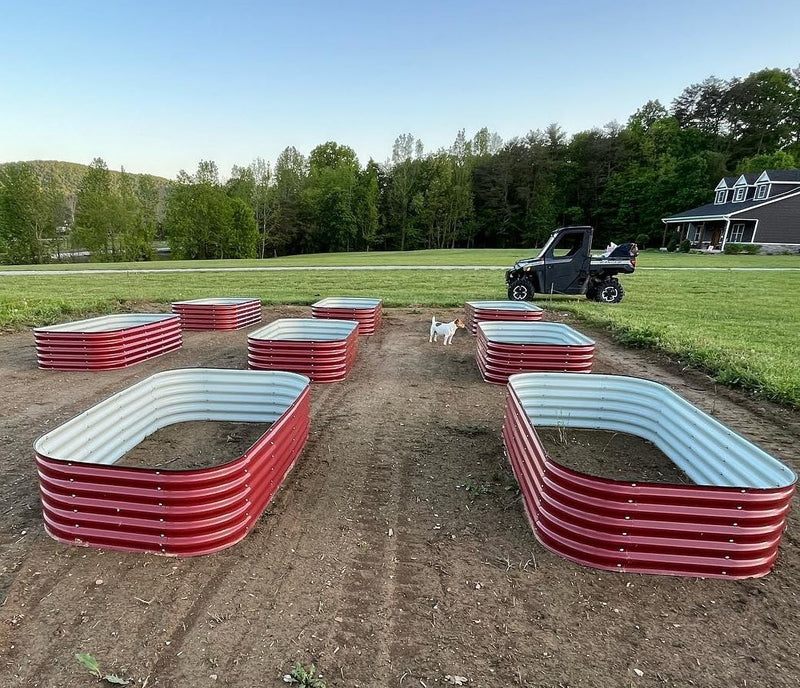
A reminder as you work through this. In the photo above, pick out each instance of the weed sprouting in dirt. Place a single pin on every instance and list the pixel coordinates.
(305, 678)
(476, 489)
(93, 667)
(563, 438)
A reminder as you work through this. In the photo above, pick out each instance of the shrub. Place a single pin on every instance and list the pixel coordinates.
(672, 244)
(751, 249)
(642, 240)
(685, 246)
(733, 249)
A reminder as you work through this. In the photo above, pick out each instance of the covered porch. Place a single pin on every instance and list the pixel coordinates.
(713, 234)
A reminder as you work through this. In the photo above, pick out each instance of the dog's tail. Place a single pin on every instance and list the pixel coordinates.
(433, 320)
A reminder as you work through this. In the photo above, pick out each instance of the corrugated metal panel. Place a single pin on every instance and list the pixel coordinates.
(325, 350)
(88, 500)
(218, 313)
(506, 348)
(107, 342)
(728, 525)
(481, 311)
(367, 312)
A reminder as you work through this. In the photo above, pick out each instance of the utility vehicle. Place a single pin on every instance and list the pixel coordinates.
(566, 266)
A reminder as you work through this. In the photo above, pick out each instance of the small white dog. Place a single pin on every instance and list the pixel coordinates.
(447, 330)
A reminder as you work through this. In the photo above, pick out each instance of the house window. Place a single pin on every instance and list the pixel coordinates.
(740, 194)
(721, 196)
(737, 232)
(696, 232)
(761, 191)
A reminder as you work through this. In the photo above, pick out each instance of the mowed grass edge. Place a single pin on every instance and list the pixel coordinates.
(739, 327)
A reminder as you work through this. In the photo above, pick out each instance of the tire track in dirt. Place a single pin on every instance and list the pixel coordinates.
(367, 589)
(299, 531)
(286, 536)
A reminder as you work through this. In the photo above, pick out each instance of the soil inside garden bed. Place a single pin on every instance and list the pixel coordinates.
(613, 455)
(193, 445)
(397, 553)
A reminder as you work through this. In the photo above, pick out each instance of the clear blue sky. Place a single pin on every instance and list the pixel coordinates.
(157, 86)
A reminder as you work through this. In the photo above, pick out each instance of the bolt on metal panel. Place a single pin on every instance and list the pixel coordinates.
(727, 525)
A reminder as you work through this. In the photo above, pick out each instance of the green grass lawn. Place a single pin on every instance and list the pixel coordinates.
(742, 327)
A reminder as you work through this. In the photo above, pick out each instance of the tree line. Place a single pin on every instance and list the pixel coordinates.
(481, 191)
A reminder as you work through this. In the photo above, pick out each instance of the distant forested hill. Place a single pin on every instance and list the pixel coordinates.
(65, 177)
(53, 210)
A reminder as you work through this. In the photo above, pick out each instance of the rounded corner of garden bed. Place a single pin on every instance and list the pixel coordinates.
(727, 524)
(88, 500)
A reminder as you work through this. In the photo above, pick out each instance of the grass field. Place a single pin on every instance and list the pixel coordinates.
(741, 326)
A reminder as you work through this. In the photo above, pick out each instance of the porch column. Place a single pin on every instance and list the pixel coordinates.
(725, 234)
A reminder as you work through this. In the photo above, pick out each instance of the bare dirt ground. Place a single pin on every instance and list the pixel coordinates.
(396, 554)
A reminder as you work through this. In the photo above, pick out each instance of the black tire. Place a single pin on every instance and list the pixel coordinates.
(591, 292)
(520, 290)
(609, 291)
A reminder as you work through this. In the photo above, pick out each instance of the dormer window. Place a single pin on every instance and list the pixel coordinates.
(738, 197)
(719, 199)
(761, 191)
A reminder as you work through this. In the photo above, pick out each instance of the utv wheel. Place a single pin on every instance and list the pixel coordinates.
(520, 290)
(609, 291)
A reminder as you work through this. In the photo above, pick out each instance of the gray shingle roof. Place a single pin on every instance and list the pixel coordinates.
(713, 210)
(783, 175)
(723, 209)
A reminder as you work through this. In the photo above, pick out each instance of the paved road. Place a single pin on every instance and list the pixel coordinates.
(106, 271)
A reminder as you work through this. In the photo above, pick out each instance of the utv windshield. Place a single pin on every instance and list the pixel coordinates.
(561, 245)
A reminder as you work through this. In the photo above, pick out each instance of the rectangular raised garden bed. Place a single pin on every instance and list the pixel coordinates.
(88, 500)
(325, 350)
(366, 312)
(482, 311)
(506, 348)
(218, 313)
(726, 525)
(107, 342)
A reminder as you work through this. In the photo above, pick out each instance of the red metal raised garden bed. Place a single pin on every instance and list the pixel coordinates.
(325, 350)
(506, 348)
(107, 342)
(367, 312)
(726, 525)
(507, 311)
(87, 500)
(218, 314)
